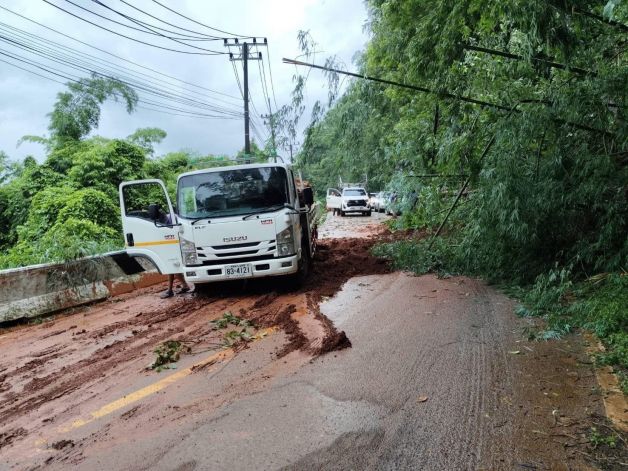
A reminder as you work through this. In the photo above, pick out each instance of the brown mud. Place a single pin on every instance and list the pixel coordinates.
(57, 371)
(47, 370)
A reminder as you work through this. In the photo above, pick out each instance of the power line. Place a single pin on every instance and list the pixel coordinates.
(55, 72)
(200, 87)
(155, 32)
(262, 75)
(128, 37)
(237, 76)
(37, 40)
(78, 63)
(30, 71)
(448, 95)
(270, 72)
(158, 93)
(109, 19)
(209, 37)
(198, 22)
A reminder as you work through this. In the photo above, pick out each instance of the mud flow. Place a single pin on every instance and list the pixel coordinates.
(50, 370)
(360, 368)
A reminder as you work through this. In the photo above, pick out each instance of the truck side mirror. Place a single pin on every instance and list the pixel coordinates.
(153, 212)
(308, 196)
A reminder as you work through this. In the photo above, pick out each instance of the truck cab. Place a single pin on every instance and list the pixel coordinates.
(236, 222)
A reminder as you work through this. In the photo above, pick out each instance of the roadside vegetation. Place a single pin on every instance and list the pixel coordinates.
(66, 205)
(539, 169)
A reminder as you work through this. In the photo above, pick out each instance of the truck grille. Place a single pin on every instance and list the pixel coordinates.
(356, 203)
(234, 253)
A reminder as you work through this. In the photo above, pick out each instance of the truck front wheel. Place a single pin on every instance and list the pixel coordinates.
(298, 279)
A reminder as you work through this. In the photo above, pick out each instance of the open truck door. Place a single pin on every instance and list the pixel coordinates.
(149, 224)
(333, 199)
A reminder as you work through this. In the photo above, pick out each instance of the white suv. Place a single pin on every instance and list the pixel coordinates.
(351, 200)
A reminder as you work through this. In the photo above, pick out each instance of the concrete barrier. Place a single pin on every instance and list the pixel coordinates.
(43, 289)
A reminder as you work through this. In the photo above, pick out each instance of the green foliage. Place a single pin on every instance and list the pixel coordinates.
(597, 304)
(16, 196)
(146, 137)
(44, 209)
(106, 164)
(68, 206)
(546, 204)
(414, 255)
(75, 238)
(77, 111)
(597, 438)
(91, 205)
(166, 353)
(551, 188)
(8, 168)
(257, 154)
(228, 318)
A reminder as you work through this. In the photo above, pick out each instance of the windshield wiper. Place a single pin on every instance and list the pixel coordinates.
(195, 220)
(268, 209)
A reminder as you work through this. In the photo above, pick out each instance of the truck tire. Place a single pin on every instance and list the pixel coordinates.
(368, 213)
(298, 279)
(342, 213)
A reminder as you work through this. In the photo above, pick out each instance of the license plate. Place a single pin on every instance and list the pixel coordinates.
(237, 271)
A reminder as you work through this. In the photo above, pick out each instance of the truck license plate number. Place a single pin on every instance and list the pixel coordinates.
(236, 271)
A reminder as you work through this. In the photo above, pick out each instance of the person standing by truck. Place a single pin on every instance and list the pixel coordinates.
(183, 286)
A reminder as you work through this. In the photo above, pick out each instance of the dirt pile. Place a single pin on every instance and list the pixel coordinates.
(297, 313)
(337, 260)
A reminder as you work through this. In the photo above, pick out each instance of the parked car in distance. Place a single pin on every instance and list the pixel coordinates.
(392, 204)
(372, 200)
(379, 203)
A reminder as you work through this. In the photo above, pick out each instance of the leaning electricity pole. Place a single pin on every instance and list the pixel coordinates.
(245, 56)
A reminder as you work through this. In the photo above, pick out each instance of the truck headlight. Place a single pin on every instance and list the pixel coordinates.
(285, 242)
(188, 252)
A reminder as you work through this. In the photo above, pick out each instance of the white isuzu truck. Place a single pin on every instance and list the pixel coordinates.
(237, 222)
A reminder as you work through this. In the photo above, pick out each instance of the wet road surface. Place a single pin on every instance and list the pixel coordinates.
(430, 380)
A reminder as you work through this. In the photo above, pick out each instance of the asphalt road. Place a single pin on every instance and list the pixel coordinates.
(419, 389)
(436, 378)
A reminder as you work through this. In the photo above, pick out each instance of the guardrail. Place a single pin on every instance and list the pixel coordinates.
(43, 289)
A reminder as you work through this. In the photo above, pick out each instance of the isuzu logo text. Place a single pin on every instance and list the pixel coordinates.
(234, 239)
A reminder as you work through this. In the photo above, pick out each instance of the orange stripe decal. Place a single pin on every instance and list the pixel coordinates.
(156, 242)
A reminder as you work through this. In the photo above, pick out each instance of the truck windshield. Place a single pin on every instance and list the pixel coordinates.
(354, 192)
(231, 192)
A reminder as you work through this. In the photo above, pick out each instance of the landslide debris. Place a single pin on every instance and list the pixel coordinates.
(124, 332)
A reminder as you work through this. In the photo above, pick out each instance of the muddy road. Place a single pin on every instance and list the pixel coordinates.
(361, 369)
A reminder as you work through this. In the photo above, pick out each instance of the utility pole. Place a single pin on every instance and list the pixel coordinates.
(245, 68)
(245, 56)
(290, 146)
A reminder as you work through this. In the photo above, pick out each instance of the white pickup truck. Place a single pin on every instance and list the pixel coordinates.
(349, 200)
(237, 222)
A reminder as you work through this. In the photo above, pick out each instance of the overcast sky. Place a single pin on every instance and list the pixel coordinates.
(25, 99)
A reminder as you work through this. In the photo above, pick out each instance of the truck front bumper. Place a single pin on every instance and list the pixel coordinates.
(258, 269)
